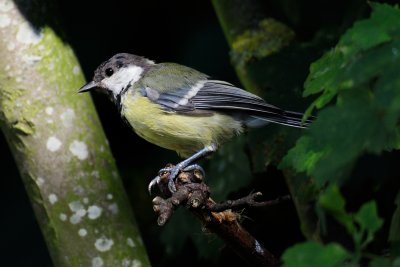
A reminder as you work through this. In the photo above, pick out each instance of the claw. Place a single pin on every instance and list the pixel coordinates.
(171, 185)
(161, 178)
(153, 183)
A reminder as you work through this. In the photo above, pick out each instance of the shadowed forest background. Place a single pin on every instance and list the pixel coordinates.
(189, 33)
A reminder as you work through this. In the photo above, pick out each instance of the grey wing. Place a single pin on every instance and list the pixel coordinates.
(252, 110)
(213, 95)
(172, 86)
(170, 101)
(219, 95)
(208, 95)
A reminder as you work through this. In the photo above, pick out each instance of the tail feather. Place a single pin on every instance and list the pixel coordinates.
(288, 118)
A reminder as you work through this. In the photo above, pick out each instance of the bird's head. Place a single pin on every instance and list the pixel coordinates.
(117, 74)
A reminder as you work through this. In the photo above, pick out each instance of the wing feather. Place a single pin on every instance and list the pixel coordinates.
(214, 95)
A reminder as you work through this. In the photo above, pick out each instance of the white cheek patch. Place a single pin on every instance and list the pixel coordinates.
(122, 78)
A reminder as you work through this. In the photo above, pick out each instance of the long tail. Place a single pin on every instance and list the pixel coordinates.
(288, 118)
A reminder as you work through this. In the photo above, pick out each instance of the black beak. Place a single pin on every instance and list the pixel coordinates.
(88, 87)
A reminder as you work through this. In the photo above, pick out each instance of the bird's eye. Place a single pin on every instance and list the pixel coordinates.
(109, 72)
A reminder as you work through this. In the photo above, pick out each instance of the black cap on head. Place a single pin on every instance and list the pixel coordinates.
(109, 67)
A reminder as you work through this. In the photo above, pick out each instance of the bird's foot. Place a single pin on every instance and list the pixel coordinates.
(166, 178)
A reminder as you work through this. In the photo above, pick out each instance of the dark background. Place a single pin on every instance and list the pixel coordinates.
(186, 32)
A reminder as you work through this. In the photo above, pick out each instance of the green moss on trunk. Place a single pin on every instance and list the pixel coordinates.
(60, 149)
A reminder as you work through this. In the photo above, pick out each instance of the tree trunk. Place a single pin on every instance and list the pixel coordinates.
(57, 141)
(255, 40)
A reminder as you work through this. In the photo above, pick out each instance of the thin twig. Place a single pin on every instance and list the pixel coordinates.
(247, 201)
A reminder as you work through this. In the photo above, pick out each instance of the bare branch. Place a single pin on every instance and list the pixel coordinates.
(218, 218)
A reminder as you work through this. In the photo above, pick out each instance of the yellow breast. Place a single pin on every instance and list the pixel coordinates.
(186, 134)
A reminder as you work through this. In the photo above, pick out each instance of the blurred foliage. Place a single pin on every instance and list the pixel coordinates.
(313, 254)
(362, 73)
(394, 234)
(358, 83)
(361, 226)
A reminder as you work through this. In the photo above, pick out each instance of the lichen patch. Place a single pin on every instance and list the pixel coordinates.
(130, 242)
(82, 232)
(53, 144)
(113, 208)
(79, 149)
(53, 199)
(68, 117)
(136, 263)
(75, 218)
(103, 244)
(63, 217)
(94, 212)
(6, 5)
(40, 181)
(75, 206)
(97, 262)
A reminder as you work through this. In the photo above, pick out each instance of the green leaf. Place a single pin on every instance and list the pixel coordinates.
(380, 262)
(312, 254)
(362, 74)
(329, 74)
(303, 158)
(368, 219)
(369, 33)
(394, 234)
(334, 203)
(341, 134)
(396, 262)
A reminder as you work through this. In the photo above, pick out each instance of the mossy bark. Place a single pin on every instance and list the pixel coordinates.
(256, 40)
(59, 146)
(252, 36)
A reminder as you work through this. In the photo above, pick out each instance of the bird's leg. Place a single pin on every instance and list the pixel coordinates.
(185, 165)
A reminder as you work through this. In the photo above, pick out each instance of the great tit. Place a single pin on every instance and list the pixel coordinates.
(182, 109)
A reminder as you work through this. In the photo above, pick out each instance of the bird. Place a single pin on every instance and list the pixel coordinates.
(179, 108)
